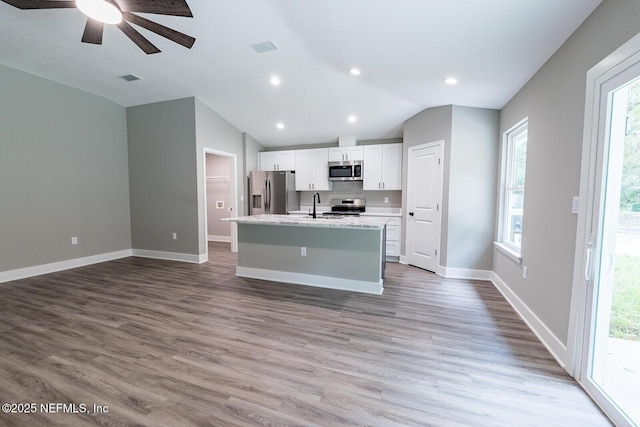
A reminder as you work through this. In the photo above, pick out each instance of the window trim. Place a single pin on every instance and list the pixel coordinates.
(508, 251)
(511, 250)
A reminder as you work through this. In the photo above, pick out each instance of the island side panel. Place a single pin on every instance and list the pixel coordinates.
(353, 254)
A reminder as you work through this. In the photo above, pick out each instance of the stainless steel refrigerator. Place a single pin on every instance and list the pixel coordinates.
(273, 193)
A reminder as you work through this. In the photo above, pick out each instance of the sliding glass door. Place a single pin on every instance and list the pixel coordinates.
(609, 362)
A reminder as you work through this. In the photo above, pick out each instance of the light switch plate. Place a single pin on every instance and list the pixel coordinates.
(575, 205)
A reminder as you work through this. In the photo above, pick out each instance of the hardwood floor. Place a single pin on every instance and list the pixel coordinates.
(172, 344)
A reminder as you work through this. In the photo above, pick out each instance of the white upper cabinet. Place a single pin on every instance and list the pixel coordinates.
(277, 160)
(312, 170)
(341, 154)
(382, 167)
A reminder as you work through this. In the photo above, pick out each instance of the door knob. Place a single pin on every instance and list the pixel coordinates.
(410, 213)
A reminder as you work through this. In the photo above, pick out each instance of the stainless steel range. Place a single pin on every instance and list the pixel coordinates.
(346, 207)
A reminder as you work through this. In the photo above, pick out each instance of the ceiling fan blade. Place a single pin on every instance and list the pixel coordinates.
(93, 32)
(166, 32)
(138, 38)
(160, 7)
(40, 4)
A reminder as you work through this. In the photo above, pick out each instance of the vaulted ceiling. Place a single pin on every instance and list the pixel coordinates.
(404, 49)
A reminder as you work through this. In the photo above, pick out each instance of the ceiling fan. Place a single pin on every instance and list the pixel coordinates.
(121, 14)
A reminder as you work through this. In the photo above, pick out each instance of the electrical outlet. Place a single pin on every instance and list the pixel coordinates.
(303, 251)
(386, 200)
(74, 240)
(175, 236)
(524, 271)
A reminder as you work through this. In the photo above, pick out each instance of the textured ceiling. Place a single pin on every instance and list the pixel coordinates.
(405, 49)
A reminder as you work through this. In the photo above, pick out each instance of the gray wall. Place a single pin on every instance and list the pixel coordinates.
(215, 133)
(470, 138)
(162, 170)
(430, 125)
(63, 173)
(166, 161)
(554, 102)
(473, 172)
(218, 190)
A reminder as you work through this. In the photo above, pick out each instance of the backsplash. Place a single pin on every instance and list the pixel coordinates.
(353, 190)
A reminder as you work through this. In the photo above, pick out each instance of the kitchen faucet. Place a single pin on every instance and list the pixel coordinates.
(315, 195)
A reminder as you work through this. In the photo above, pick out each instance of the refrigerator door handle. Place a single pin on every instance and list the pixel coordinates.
(265, 194)
(268, 195)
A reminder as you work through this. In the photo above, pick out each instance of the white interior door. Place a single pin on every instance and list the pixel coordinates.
(424, 193)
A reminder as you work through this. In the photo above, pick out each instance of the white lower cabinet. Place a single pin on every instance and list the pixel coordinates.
(394, 228)
(394, 231)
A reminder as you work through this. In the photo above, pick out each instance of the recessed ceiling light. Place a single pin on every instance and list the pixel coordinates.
(275, 80)
(352, 119)
(280, 125)
(451, 81)
(354, 72)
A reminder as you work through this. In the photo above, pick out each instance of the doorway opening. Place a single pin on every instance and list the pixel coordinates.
(218, 190)
(220, 199)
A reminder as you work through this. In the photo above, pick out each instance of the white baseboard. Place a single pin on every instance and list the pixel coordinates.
(464, 273)
(170, 256)
(214, 238)
(311, 280)
(457, 273)
(557, 349)
(37, 270)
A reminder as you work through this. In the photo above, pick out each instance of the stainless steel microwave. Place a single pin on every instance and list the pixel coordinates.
(346, 171)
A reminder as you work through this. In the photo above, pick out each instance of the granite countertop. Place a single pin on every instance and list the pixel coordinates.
(382, 212)
(374, 211)
(306, 221)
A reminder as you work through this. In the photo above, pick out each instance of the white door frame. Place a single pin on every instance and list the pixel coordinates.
(234, 196)
(599, 81)
(439, 269)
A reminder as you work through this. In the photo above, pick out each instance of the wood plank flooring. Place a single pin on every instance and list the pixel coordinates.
(164, 343)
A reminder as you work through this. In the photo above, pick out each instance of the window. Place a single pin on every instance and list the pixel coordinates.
(515, 148)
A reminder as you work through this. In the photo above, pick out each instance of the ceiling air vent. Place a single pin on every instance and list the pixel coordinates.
(263, 47)
(130, 77)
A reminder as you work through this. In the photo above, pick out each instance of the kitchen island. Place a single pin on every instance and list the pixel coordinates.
(346, 253)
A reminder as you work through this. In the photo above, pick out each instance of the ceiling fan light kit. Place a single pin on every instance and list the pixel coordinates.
(122, 14)
(100, 10)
